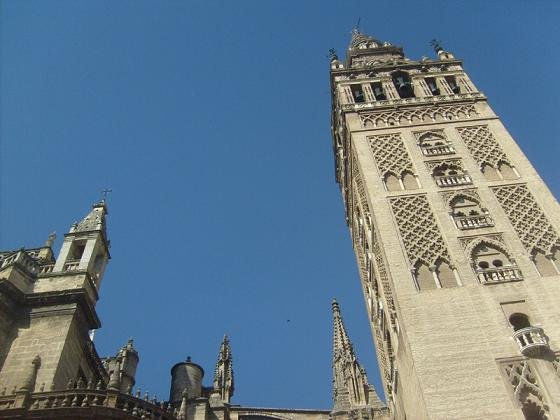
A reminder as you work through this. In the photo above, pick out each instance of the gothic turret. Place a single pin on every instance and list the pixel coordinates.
(223, 375)
(351, 390)
(85, 246)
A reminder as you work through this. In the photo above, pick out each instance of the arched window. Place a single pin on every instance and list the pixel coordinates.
(424, 277)
(467, 213)
(545, 264)
(492, 265)
(448, 175)
(392, 183)
(507, 171)
(490, 173)
(409, 181)
(445, 274)
(433, 144)
(402, 83)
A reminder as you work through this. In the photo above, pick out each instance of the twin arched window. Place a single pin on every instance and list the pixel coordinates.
(440, 275)
(503, 171)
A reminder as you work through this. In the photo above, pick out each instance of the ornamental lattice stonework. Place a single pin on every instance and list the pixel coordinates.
(525, 386)
(483, 145)
(409, 116)
(390, 154)
(419, 230)
(527, 218)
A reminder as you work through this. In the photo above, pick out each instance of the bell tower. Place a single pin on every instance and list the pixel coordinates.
(455, 235)
(48, 309)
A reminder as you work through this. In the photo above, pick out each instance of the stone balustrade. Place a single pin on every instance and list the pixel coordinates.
(83, 401)
(498, 275)
(453, 180)
(71, 265)
(473, 221)
(531, 340)
(22, 259)
(46, 268)
(439, 150)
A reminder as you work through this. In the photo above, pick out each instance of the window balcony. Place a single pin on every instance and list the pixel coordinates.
(498, 275)
(531, 340)
(473, 222)
(439, 150)
(453, 180)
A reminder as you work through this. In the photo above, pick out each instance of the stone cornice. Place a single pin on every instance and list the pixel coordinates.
(77, 296)
(401, 103)
(402, 65)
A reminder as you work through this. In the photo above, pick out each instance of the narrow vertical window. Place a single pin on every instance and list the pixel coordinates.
(453, 84)
(378, 91)
(358, 93)
(432, 85)
(403, 85)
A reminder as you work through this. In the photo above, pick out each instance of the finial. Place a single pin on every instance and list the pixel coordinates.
(332, 54)
(188, 359)
(437, 45)
(357, 27)
(50, 239)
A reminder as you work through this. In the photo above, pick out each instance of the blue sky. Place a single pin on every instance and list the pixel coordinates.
(210, 122)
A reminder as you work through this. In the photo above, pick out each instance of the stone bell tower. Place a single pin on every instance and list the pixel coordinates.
(455, 235)
(48, 307)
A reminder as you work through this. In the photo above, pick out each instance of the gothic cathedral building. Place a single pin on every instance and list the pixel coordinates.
(455, 235)
(456, 239)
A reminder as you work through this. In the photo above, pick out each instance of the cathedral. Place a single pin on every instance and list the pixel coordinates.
(456, 240)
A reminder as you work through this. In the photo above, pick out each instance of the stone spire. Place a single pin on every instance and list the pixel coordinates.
(361, 40)
(351, 389)
(95, 220)
(223, 372)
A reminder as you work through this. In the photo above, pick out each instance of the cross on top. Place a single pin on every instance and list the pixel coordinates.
(105, 192)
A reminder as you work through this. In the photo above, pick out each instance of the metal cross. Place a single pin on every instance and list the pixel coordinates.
(105, 192)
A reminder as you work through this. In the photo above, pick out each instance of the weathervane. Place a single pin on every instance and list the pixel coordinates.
(437, 45)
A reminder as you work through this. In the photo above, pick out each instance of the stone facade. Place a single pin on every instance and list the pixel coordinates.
(49, 367)
(456, 239)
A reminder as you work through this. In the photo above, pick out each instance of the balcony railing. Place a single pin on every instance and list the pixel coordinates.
(71, 265)
(71, 403)
(439, 150)
(23, 260)
(498, 275)
(473, 222)
(453, 180)
(531, 340)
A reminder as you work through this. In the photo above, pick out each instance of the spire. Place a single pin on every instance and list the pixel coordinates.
(95, 220)
(223, 373)
(351, 389)
(361, 40)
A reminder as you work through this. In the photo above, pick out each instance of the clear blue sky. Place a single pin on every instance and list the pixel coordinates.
(210, 122)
